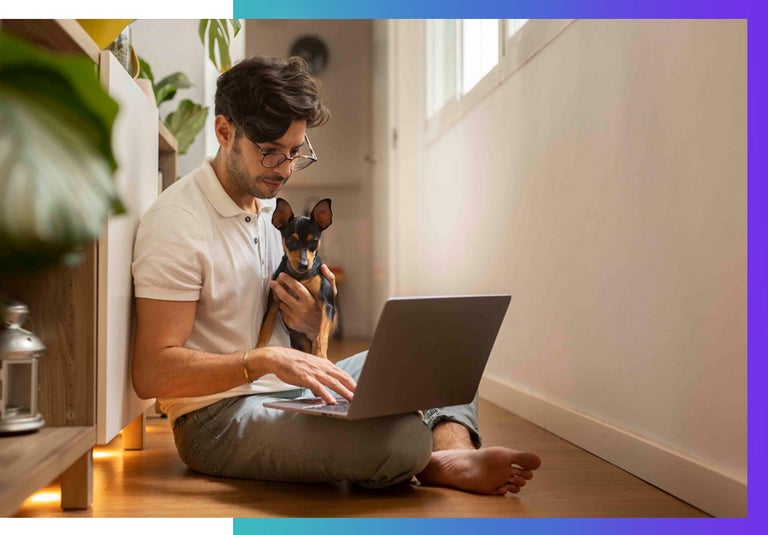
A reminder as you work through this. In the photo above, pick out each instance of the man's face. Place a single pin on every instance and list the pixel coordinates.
(244, 167)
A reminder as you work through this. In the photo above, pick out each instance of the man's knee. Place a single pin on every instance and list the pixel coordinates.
(401, 452)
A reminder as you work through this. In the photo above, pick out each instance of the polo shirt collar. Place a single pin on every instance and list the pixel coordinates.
(219, 198)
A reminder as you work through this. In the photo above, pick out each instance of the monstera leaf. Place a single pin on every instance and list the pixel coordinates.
(215, 34)
(56, 160)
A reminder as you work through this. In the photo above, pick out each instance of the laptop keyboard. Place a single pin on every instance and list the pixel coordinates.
(341, 407)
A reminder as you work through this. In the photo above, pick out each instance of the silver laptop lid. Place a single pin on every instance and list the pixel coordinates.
(428, 352)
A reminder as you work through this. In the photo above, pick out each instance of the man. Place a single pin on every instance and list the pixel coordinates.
(204, 256)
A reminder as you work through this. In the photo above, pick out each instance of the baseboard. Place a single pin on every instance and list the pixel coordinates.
(683, 477)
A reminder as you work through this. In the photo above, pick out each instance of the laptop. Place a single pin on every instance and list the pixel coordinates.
(426, 352)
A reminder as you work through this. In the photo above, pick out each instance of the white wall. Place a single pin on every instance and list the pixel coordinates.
(603, 185)
(174, 45)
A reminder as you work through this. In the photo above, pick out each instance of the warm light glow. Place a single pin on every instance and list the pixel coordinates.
(45, 497)
(105, 454)
(151, 429)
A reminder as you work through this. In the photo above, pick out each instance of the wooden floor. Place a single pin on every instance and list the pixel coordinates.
(155, 483)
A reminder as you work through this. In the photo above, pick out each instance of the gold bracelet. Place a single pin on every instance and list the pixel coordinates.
(245, 367)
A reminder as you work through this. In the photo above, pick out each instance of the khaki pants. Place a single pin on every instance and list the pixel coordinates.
(238, 437)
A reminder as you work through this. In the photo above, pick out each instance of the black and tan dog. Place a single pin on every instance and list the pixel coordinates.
(301, 239)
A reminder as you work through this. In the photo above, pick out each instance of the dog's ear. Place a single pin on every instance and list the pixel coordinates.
(321, 214)
(283, 214)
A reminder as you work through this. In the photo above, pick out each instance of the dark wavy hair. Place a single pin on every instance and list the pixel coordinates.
(263, 96)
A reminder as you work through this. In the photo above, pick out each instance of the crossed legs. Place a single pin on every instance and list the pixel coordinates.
(238, 437)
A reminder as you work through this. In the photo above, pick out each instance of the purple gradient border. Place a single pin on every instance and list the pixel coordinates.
(757, 295)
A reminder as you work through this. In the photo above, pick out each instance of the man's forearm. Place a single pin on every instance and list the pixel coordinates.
(182, 372)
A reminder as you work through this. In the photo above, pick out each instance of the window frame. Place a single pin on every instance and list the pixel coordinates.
(514, 53)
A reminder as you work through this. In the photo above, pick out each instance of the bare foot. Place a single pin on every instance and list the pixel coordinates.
(494, 470)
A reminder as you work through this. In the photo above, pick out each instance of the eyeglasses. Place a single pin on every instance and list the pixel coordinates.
(274, 158)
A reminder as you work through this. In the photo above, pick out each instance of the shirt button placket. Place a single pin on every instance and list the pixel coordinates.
(255, 238)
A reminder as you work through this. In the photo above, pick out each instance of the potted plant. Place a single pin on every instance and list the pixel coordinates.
(186, 122)
(188, 119)
(56, 160)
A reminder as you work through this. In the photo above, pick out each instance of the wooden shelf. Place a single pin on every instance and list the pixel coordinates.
(29, 462)
(167, 147)
(62, 35)
(168, 142)
(62, 301)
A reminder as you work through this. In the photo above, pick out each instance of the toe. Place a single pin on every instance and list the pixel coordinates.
(517, 481)
(507, 489)
(525, 474)
(529, 461)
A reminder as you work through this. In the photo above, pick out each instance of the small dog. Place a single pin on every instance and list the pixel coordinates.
(301, 239)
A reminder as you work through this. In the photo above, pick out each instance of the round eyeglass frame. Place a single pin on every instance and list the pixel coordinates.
(298, 162)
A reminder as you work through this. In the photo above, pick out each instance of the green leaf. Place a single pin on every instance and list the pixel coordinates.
(56, 160)
(186, 122)
(164, 94)
(222, 40)
(71, 78)
(212, 46)
(166, 88)
(177, 79)
(201, 29)
(145, 71)
(235, 26)
(215, 33)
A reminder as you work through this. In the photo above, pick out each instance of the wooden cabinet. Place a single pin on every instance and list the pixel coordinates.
(84, 315)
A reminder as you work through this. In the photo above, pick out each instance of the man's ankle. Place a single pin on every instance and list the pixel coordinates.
(449, 435)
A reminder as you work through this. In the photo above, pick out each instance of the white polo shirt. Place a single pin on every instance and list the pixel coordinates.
(195, 244)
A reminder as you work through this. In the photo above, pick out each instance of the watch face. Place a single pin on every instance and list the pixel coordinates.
(314, 52)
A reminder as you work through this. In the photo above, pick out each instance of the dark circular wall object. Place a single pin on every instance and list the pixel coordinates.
(313, 50)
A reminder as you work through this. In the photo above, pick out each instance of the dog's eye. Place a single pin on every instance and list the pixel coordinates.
(290, 242)
(313, 245)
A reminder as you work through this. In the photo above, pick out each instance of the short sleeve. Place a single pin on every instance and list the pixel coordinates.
(169, 256)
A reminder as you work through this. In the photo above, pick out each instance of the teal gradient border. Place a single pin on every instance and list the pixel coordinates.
(488, 526)
(757, 293)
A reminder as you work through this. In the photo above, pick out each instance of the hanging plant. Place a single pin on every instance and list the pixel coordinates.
(56, 162)
(215, 34)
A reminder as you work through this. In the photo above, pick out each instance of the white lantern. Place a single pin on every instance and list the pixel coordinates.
(20, 352)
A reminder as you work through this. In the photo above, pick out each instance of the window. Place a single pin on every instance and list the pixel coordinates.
(480, 50)
(514, 26)
(466, 59)
(459, 54)
(441, 65)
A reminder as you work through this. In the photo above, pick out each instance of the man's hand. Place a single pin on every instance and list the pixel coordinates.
(297, 306)
(304, 370)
